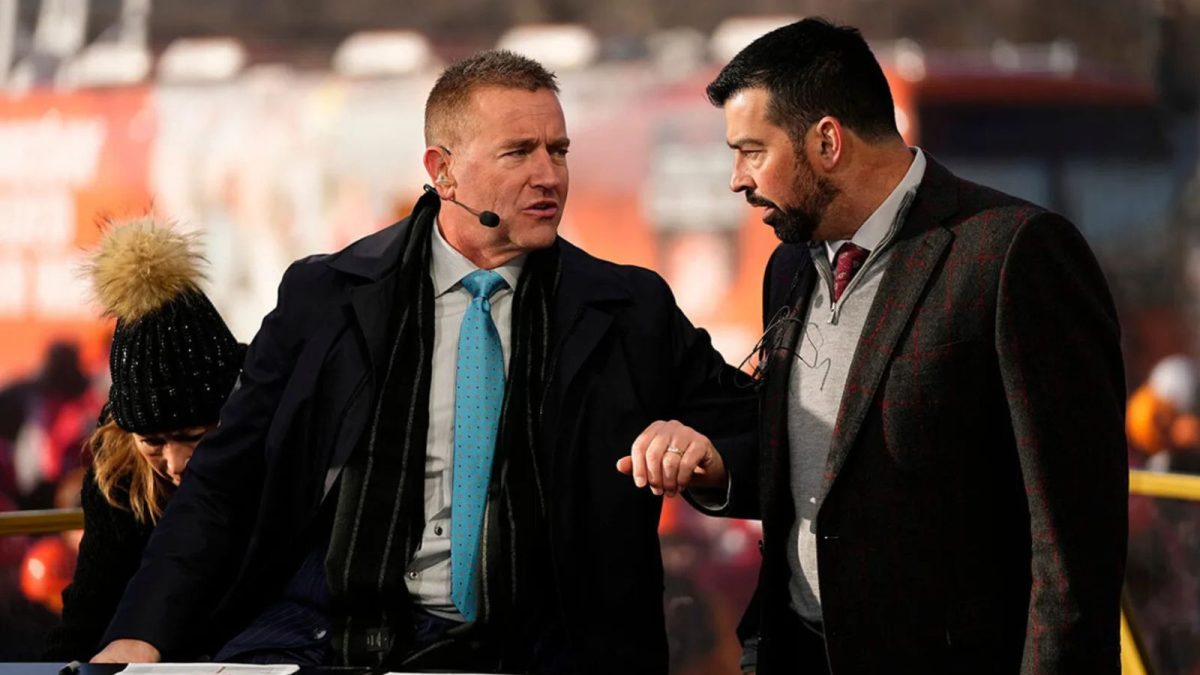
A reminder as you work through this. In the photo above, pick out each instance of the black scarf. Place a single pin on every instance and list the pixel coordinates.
(380, 514)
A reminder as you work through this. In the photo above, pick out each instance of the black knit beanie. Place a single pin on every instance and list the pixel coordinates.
(172, 369)
(173, 360)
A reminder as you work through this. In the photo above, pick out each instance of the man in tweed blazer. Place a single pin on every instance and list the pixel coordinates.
(942, 473)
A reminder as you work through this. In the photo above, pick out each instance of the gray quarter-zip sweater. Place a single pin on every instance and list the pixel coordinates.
(818, 376)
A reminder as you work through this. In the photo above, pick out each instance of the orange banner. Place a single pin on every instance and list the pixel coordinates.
(67, 162)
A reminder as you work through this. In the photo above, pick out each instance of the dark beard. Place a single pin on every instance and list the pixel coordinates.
(796, 224)
(792, 225)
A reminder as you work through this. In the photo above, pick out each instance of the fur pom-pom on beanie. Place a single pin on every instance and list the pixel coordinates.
(173, 359)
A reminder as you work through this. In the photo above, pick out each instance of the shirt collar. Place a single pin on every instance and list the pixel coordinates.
(883, 221)
(447, 266)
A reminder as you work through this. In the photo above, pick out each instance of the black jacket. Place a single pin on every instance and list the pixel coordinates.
(623, 355)
(109, 554)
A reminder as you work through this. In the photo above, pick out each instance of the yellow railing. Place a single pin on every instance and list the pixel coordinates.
(1160, 486)
(40, 522)
(1164, 485)
(1132, 648)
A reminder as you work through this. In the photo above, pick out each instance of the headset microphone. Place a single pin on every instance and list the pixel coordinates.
(486, 218)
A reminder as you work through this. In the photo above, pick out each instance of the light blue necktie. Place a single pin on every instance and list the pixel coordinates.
(478, 396)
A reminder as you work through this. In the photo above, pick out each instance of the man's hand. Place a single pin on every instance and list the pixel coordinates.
(128, 651)
(669, 457)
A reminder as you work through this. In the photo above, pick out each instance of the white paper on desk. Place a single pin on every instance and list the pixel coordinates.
(207, 669)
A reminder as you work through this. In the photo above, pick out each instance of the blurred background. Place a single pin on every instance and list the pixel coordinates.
(284, 128)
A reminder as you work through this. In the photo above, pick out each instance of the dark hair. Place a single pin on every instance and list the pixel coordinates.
(493, 68)
(813, 68)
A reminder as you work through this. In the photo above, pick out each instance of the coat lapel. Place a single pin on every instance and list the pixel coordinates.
(377, 260)
(580, 325)
(916, 254)
(371, 303)
(580, 322)
(579, 339)
(782, 332)
(374, 261)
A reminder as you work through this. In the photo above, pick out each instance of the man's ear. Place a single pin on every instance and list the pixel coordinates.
(437, 165)
(831, 137)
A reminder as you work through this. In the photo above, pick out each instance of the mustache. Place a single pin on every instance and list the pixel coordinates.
(755, 200)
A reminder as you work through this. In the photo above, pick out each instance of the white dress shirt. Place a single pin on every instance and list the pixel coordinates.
(428, 577)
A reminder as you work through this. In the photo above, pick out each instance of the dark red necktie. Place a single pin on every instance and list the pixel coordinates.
(847, 261)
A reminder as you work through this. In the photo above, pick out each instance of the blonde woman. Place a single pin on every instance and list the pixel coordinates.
(173, 363)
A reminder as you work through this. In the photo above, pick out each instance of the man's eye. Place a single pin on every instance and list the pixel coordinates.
(519, 152)
(560, 152)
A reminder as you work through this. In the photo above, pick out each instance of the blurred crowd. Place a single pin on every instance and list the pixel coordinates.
(1163, 574)
(44, 421)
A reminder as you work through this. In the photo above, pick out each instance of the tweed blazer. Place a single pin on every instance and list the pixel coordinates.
(973, 513)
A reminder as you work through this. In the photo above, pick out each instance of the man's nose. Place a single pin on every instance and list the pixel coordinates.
(547, 172)
(740, 180)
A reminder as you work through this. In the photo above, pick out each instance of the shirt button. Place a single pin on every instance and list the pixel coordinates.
(438, 530)
(412, 575)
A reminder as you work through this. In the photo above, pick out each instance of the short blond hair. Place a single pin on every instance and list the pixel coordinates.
(451, 94)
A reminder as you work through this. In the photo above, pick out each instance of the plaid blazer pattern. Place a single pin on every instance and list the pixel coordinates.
(973, 513)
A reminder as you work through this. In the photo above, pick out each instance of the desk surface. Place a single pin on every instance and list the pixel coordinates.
(112, 669)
